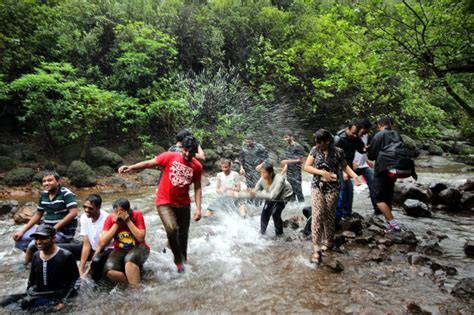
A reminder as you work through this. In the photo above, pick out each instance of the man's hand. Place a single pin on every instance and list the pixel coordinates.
(18, 235)
(59, 307)
(124, 169)
(259, 167)
(197, 215)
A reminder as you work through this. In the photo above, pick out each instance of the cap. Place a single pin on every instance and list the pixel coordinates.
(44, 230)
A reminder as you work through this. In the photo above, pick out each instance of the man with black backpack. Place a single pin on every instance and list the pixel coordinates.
(391, 162)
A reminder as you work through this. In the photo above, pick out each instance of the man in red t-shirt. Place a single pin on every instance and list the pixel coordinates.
(180, 170)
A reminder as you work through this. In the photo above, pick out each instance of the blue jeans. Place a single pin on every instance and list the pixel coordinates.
(344, 203)
(368, 174)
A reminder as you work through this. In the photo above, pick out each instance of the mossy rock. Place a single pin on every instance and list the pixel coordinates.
(28, 155)
(434, 149)
(99, 156)
(6, 164)
(211, 155)
(49, 165)
(104, 170)
(154, 150)
(19, 176)
(5, 149)
(81, 175)
(411, 146)
(38, 177)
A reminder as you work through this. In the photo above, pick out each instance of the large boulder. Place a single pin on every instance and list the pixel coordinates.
(149, 177)
(464, 288)
(6, 164)
(411, 146)
(19, 176)
(353, 225)
(434, 149)
(24, 213)
(450, 197)
(416, 208)
(99, 156)
(467, 200)
(433, 191)
(212, 159)
(81, 175)
(467, 186)
(8, 206)
(408, 190)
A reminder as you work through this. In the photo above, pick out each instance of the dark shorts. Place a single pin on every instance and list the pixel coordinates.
(383, 188)
(118, 258)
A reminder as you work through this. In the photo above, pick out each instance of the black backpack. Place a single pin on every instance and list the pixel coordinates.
(398, 161)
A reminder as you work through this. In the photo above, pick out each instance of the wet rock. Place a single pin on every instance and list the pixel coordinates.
(467, 186)
(434, 149)
(377, 221)
(395, 237)
(411, 146)
(104, 170)
(19, 176)
(384, 241)
(6, 164)
(364, 240)
(149, 177)
(416, 208)
(450, 196)
(348, 234)
(434, 189)
(293, 222)
(464, 288)
(408, 190)
(24, 213)
(353, 225)
(469, 248)
(8, 206)
(415, 309)
(99, 156)
(409, 238)
(467, 200)
(116, 181)
(418, 259)
(377, 255)
(430, 247)
(336, 266)
(81, 175)
(211, 158)
(205, 181)
(375, 229)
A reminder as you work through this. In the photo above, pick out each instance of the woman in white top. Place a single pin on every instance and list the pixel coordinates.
(228, 182)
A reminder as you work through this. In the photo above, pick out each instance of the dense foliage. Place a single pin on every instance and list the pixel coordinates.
(85, 70)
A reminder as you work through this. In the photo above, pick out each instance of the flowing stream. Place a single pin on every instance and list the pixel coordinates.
(234, 269)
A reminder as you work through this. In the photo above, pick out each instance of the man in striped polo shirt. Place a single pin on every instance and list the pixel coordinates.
(57, 207)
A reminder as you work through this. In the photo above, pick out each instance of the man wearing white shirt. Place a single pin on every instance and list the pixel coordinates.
(92, 222)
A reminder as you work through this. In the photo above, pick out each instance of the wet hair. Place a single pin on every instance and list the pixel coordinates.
(226, 161)
(364, 123)
(267, 166)
(249, 136)
(95, 199)
(191, 144)
(121, 203)
(183, 134)
(51, 173)
(385, 121)
(322, 135)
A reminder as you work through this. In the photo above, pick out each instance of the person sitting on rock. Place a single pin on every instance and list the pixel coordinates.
(57, 207)
(54, 277)
(92, 222)
(127, 229)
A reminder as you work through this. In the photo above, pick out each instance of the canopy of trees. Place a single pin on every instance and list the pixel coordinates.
(81, 70)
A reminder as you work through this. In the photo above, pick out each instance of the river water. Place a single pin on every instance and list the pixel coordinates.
(234, 269)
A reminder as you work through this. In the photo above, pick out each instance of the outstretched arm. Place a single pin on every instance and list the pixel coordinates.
(138, 166)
